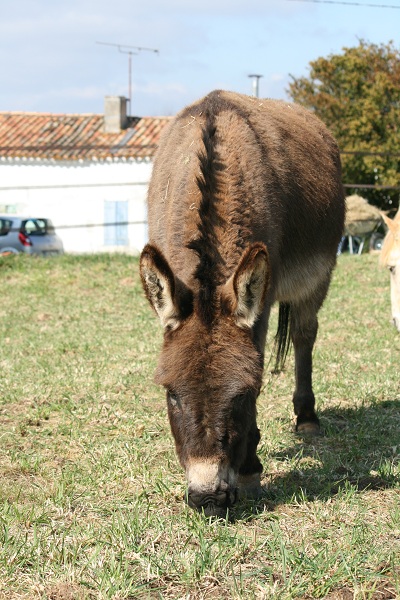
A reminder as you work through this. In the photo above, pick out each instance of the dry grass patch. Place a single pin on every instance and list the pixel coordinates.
(91, 494)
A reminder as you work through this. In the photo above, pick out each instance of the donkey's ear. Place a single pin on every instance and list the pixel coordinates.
(167, 295)
(244, 293)
(391, 225)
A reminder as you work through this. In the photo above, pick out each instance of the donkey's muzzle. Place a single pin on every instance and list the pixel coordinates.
(212, 504)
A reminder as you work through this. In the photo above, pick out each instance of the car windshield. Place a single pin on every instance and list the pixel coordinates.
(37, 226)
(5, 226)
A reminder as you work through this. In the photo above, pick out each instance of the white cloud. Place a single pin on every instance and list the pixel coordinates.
(277, 77)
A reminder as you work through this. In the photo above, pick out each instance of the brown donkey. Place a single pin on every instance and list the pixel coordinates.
(245, 208)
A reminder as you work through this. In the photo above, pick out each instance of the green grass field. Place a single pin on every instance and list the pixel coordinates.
(91, 492)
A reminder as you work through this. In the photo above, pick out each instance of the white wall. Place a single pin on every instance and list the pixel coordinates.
(73, 194)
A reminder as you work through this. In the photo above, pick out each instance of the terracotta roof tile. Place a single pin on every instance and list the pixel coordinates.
(75, 137)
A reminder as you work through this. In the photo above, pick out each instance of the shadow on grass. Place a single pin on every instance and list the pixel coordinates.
(358, 450)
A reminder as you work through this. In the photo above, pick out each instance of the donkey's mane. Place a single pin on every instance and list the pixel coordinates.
(209, 268)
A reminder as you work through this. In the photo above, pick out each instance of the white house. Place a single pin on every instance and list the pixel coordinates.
(87, 173)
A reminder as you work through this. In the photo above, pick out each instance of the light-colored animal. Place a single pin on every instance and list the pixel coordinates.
(245, 208)
(390, 258)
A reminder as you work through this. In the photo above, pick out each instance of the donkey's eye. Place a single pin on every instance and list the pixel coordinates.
(392, 269)
(173, 399)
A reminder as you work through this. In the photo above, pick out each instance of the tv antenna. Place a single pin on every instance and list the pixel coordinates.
(256, 79)
(129, 50)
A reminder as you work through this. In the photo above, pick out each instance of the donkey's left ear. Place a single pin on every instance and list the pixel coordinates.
(244, 293)
(168, 296)
(390, 223)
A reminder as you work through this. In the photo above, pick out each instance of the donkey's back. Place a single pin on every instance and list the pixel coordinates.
(245, 207)
(277, 180)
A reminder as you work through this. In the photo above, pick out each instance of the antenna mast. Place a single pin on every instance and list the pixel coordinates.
(256, 79)
(129, 50)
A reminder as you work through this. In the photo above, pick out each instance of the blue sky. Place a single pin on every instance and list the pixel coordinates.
(50, 62)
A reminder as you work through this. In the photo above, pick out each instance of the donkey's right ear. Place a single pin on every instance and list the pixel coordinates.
(166, 294)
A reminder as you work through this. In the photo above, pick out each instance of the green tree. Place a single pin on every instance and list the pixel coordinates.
(357, 94)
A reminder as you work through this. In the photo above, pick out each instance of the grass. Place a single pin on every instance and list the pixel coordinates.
(91, 494)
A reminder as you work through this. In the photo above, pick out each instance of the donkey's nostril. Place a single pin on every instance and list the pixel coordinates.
(212, 504)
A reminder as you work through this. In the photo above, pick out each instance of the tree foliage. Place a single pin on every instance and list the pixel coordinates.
(357, 94)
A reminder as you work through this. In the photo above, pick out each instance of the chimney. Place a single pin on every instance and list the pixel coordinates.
(115, 117)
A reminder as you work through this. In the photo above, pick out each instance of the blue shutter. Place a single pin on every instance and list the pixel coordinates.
(115, 223)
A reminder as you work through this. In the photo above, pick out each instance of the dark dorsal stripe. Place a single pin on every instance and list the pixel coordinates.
(209, 268)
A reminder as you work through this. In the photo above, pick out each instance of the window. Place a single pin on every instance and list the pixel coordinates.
(116, 223)
(5, 226)
(37, 226)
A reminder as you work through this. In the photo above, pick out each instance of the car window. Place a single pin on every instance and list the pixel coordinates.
(5, 226)
(35, 226)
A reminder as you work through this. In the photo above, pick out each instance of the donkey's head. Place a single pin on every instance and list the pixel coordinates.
(390, 257)
(211, 370)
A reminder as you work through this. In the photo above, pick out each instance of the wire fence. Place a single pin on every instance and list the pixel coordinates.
(6, 225)
(370, 186)
(89, 225)
(7, 220)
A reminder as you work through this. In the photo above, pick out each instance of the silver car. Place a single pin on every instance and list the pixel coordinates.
(30, 235)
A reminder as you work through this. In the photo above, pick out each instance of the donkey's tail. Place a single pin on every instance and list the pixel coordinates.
(282, 337)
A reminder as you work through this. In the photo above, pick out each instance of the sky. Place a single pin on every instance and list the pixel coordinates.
(51, 61)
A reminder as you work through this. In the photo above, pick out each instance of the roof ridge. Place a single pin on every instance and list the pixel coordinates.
(56, 114)
(47, 114)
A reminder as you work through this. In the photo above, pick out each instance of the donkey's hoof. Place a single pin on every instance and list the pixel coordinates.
(308, 428)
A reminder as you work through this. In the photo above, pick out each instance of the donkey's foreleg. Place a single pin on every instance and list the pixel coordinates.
(249, 483)
(304, 327)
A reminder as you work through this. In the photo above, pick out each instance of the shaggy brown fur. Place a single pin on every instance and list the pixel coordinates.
(245, 208)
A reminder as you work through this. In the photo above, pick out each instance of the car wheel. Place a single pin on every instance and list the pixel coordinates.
(8, 252)
(376, 241)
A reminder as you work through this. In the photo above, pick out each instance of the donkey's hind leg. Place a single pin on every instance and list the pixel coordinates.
(304, 327)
